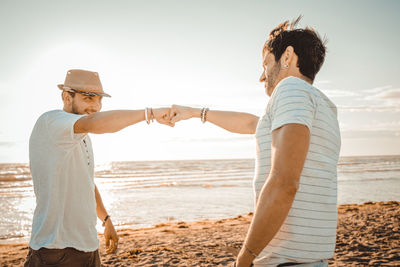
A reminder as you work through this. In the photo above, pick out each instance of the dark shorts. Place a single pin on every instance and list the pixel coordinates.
(65, 257)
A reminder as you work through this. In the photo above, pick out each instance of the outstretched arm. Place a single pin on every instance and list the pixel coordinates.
(235, 122)
(116, 120)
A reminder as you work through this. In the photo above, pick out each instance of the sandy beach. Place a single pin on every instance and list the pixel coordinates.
(368, 235)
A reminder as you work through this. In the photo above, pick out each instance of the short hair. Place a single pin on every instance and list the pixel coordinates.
(306, 42)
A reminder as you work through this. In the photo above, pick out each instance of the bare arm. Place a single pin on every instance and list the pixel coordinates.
(100, 209)
(110, 235)
(289, 150)
(116, 120)
(235, 122)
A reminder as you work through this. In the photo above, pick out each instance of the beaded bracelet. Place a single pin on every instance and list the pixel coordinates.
(204, 114)
(151, 115)
(146, 116)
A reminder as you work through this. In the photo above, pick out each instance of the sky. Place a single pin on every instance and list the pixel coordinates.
(197, 53)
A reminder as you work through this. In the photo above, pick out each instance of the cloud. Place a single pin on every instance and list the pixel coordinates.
(377, 89)
(390, 129)
(323, 82)
(339, 93)
(370, 108)
(379, 99)
(391, 94)
(384, 92)
(370, 134)
(389, 126)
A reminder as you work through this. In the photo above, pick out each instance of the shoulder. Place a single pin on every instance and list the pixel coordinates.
(61, 115)
(292, 86)
(293, 91)
(45, 116)
(60, 120)
(60, 125)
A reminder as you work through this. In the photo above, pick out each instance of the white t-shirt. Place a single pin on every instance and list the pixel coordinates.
(309, 232)
(62, 170)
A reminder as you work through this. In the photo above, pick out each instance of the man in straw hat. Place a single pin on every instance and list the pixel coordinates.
(61, 161)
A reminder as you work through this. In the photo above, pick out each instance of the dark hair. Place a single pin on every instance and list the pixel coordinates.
(307, 45)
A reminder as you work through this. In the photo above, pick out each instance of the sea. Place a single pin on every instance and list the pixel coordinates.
(141, 194)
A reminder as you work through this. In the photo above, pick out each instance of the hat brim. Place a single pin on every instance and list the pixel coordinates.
(67, 89)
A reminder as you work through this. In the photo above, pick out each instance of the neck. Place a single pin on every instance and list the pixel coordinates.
(306, 79)
(300, 76)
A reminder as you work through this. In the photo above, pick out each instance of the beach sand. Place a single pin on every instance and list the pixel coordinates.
(368, 235)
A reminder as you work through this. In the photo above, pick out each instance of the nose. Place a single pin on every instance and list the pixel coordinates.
(97, 105)
(262, 78)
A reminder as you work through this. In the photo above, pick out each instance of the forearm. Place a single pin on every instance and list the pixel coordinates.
(108, 121)
(110, 235)
(100, 209)
(236, 122)
(272, 208)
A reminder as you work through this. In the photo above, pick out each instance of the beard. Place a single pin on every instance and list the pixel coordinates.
(76, 110)
(272, 76)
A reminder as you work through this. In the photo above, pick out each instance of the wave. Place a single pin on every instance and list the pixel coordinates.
(172, 173)
(11, 236)
(16, 178)
(370, 170)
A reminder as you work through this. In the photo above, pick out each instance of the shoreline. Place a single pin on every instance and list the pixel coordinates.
(205, 159)
(368, 234)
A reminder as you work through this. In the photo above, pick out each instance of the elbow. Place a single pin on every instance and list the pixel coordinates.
(251, 130)
(252, 126)
(288, 185)
(292, 188)
(83, 125)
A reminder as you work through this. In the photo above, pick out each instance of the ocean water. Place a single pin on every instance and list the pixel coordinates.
(142, 194)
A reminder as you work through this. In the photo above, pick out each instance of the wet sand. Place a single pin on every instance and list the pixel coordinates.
(368, 235)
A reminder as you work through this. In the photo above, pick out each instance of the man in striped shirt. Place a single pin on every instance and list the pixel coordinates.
(298, 144)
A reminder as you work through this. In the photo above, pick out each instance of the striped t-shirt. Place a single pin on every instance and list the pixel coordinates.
(309, 232)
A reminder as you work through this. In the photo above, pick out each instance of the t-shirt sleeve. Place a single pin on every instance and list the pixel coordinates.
(60, 126)
(292, 104)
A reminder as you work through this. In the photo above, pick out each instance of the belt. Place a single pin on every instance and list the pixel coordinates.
(288, 264)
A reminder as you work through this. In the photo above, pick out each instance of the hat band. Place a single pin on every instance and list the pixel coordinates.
(69, 89)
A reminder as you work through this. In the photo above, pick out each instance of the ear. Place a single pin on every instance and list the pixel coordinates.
(287, 56)
(66, 97)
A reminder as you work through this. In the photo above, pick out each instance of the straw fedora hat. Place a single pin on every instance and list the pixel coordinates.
(83, 82)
